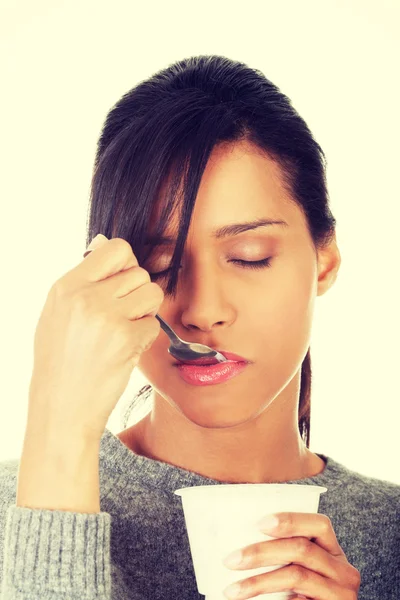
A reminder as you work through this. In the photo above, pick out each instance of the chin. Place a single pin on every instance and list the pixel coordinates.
(221, 414)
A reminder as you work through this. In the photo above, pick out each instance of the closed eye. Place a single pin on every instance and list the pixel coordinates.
(253, 264)
(244, 264)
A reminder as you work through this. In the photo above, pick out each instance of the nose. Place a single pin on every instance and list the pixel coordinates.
(207, 303)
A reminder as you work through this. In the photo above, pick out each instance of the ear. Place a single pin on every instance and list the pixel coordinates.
(329, 261)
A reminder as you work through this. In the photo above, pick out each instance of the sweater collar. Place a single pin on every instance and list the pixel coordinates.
(161, 476)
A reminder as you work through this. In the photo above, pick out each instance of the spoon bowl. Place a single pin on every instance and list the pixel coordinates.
(187, 351)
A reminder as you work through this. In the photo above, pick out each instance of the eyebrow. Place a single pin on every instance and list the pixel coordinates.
(223, 232)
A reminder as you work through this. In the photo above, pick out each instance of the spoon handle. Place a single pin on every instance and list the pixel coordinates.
(170, 332)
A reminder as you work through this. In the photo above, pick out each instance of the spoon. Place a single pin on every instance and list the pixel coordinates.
(187, 350)
(184, 350)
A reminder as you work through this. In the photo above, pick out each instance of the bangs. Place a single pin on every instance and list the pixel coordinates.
(177, 190)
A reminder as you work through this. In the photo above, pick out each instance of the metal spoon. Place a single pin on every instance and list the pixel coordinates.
(186, 350)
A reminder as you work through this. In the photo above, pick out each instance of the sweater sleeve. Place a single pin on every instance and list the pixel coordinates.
(56, 555)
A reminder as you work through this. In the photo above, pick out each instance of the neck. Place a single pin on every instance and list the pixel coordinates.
(265, 449)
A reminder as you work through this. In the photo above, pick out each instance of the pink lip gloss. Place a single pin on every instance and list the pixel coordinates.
(210, 374)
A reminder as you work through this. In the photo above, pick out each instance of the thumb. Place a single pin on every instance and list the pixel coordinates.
(95, 243)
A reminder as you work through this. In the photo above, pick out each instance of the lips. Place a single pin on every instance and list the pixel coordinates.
(230, 356)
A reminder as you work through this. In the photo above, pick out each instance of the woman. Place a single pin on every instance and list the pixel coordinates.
(219, 188)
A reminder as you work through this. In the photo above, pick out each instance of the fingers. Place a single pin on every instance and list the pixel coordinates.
(109, 258)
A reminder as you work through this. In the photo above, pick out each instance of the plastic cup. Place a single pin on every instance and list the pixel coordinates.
(222, 518)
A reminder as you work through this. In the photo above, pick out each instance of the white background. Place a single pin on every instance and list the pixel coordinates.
(64, 64)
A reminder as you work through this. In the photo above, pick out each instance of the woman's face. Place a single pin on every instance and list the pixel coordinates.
(264, 315)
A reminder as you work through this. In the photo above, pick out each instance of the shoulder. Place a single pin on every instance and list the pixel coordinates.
(377, 498)
(366, 506)
(371, 490)
(365, 515)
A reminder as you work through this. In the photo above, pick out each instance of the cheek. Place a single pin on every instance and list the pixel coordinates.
(281, 317)
(294, 301)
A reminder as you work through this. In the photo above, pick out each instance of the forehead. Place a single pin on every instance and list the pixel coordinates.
(239, 183)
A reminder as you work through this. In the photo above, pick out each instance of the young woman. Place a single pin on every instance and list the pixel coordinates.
(210, 193)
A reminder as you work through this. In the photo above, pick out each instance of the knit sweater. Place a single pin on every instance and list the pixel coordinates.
(137, 547)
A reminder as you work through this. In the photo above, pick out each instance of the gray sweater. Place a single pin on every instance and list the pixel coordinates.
(137, 548)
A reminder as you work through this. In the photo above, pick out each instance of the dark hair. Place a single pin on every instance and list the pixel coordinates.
(164, 130)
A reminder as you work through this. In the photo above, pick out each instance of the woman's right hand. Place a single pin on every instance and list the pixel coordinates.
(97, 321)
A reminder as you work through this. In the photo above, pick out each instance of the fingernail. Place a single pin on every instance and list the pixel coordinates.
(268, 523)
(96, 241)
(234, 559)
(233, 591)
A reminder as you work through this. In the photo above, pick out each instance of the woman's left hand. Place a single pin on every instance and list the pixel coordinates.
(318, 567)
